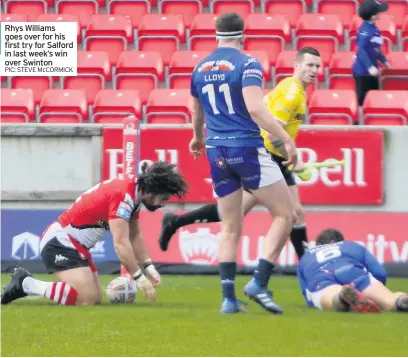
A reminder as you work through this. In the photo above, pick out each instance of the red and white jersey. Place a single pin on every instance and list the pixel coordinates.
(87, 219)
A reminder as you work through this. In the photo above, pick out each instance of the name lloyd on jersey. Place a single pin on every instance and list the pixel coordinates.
(214, 77)
(354, 159)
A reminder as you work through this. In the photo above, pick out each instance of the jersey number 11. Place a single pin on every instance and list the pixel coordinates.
(224, 88)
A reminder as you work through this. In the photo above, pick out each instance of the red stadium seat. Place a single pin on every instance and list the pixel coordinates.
(169, 106)
(188, 9)
(241, 7)
(133, 9)
(139, 70)
(385, 24)
(30, 8)
(324, 32)
(202, 33)
(17, 105)
(285, 63)
(93, 71)
(13, 18)
(84, 9)
(267, 33)
(110, 33)
(344, 9)
(161, 33)
(263, 58)
(63, 106)
(385, 107)
(340, 74)
(61, 18)
(292, 9)
(333, 107)
(398, 9)
(111, 106)
(181, 66)
(37, 84)
(404, 35)
(396, 78)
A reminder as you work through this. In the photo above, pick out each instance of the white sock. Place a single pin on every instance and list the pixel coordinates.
(34, 287)
(59, 292)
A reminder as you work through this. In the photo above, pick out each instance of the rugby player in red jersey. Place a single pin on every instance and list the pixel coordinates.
(111, 205)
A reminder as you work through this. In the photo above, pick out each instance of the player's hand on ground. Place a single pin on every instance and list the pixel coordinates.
(147, 288)
(291, 151)
(152, 275)
(197, 146)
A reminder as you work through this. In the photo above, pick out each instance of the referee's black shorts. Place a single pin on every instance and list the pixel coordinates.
(287, 174)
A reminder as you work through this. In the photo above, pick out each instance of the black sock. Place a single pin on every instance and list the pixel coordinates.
(298, 237)
(227, 274)
(207, 213)
(263, 272)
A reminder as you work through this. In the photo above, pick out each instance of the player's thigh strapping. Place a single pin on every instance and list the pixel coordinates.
(61, 252)
(236, 167)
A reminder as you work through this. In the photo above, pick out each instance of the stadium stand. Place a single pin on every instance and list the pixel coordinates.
(136, 56)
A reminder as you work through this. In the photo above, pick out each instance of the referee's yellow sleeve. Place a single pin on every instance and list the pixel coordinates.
(283, 108)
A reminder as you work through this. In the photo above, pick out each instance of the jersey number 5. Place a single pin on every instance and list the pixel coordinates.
(224, 88)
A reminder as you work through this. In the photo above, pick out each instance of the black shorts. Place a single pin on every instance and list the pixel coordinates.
(58, 257)
(287, 174)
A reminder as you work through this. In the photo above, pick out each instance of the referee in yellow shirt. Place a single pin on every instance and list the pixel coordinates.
(287, 103)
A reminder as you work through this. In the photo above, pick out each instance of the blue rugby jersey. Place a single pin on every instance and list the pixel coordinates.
(217, 81)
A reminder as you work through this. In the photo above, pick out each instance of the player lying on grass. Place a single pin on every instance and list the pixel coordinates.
(287, 103)
(339, 275)
(111, 205)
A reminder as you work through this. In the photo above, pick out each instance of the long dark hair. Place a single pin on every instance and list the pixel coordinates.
(162, 178)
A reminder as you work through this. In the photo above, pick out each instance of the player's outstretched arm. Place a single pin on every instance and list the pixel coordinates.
(123, 247)
(142, 254)
(120, 232)
(253, 98)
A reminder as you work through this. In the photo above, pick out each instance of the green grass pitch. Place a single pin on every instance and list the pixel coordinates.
(185, 321)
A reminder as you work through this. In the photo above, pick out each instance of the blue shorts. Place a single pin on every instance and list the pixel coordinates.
(357, 276)
(236, 167)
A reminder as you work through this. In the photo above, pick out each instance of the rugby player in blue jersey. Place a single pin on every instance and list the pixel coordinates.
(339, 275)
(227, 87)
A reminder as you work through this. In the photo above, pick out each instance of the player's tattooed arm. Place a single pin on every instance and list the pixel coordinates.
(279, 145)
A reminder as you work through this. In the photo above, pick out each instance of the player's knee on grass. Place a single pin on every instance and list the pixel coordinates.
(99, 287)
(83, 280)
(88, 297)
